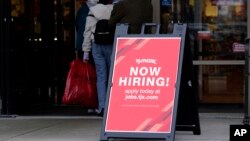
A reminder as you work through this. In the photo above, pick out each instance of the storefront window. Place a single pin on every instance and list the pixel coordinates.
(223, 29)
(217, 31)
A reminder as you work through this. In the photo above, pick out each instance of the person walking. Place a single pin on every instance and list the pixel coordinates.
(80, 23)
(132, 12)
(101, 52)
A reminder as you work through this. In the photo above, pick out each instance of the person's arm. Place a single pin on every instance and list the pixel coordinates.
(86, 46)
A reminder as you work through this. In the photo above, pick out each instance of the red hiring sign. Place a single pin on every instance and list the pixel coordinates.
(143, 85)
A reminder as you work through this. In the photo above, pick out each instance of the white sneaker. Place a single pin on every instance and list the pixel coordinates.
(91, 111)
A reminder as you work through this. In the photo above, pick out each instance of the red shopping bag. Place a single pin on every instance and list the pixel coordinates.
(80, 86)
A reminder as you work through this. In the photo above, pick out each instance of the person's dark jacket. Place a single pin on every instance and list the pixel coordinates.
(82, 13)
(133, 12)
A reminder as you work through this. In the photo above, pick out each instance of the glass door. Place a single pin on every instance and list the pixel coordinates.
(219, 32)
(37, 45)
(30, 54)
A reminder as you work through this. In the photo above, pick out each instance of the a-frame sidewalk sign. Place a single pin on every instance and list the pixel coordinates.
(187, 113)
(144, 84)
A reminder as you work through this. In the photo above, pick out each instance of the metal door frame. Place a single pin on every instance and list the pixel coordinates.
(5, 44)
(1, 54)
(247, 70)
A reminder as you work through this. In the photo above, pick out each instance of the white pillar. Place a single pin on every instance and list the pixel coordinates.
(156, 11)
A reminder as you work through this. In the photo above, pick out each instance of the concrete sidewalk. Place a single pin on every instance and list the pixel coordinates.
(214, 127)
